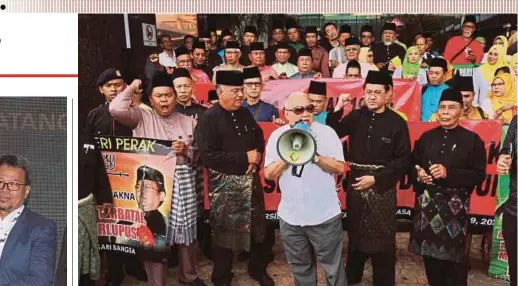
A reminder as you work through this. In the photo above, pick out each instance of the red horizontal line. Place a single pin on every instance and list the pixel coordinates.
(38, 75)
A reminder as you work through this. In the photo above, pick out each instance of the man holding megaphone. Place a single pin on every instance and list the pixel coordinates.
(304, 156)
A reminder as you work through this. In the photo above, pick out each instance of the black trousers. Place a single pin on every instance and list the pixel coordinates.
(118, 262)
(509, 232)
(223, 260)
(445, 273)
(383, 267)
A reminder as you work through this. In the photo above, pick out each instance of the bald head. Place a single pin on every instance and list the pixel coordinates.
(296, 99)
(297, 107)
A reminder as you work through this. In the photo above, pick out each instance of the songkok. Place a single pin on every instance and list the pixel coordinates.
(256, 46)
(311, 29)
(251, 72)
(277, 26)
(282, 45)
(291, 25)
(366, 28)
(198, 45)
(233, 78)
(377, 77)
(345, 29)
(305, 52)
(107, 75)
(161, 79)
(317, 87)
(232, 45)
(352, 41)
(451, 94)
(438, 62)
(225, 33)
(213, 95)
(470, 19)
(251, 29)
(204, 35)
(462, 83)
(389, 27)
(181, 72)
(148, 173)
(181, 50)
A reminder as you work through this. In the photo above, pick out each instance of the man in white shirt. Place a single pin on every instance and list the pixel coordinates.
(352, 52)
(167, 58)
(282, 66)
(337, 55)
(309, 211)
(27, 240)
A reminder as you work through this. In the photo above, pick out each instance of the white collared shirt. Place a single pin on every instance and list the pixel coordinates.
(167, 61)
(311, 199)
(7, 224)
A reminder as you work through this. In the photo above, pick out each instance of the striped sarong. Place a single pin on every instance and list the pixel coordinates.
(184, 208)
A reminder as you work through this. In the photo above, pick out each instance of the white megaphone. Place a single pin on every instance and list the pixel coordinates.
(297, 146)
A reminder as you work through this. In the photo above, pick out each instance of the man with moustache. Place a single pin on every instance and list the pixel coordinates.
(208, 58)
(379, 155)
(231, 144)
(257, 57)
(282, 66)
(232, 56)
(163, 123)
(449, 162)
(225, 37)
(184, 60)
(337, 54)
(184, 87)
(319, 54)
(352, 53)
(278, 35)
(310, 216)
(167, 58)
(304, 63)
(463, 49)
(387, 50)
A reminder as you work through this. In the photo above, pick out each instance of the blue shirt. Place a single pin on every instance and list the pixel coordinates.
(430, 100)
(266, 113)
(299, 75)
(221, 53)
(321, 117)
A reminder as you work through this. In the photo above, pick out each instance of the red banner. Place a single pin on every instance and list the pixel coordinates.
(482, 199)
(406, 98)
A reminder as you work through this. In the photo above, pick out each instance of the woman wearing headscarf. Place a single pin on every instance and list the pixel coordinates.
(498, 41)
(411, 68)
(513, 64)
(484, 74)
(501, 99)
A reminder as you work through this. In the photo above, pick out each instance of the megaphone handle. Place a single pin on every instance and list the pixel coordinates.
(294, 171)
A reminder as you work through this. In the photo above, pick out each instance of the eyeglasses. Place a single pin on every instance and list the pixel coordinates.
(11, 186)
(497, 84)
(298, 110)
(351, 49)
(251, 84)
(468, 26)
(370, 56)
(375, 92)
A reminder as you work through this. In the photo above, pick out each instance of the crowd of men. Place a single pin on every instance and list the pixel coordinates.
(223, 136)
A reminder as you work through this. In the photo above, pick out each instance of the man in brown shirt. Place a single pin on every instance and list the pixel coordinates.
(320, 56)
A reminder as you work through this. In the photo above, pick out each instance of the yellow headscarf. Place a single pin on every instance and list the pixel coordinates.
(487, 69)
(504, 39)
(509, 97)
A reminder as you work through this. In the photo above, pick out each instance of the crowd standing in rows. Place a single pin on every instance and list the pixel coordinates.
(222, 135)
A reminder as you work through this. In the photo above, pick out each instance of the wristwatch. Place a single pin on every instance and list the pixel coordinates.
(316, 158)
